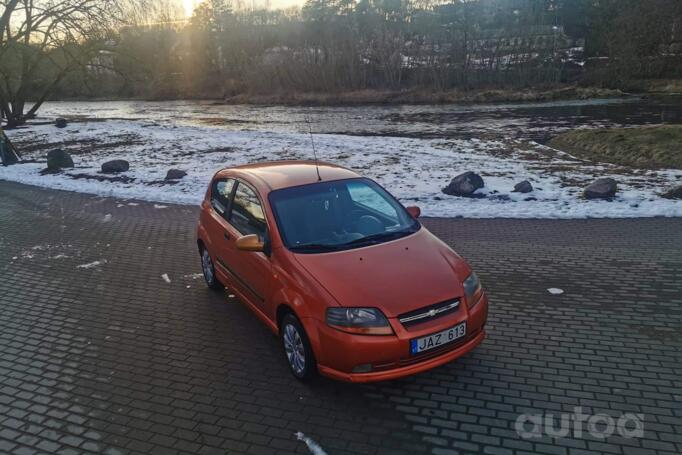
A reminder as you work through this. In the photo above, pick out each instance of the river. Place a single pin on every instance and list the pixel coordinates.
(537, 121)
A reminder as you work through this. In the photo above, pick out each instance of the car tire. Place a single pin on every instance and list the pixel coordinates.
(209, 271)
(297, 349)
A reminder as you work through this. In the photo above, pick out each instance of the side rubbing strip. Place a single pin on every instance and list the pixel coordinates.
(244, 283)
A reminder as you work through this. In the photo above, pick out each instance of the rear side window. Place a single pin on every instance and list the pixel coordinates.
(247, 212)
(220, 195)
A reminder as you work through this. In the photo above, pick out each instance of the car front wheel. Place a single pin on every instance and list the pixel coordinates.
(297, 348)
(209, 271)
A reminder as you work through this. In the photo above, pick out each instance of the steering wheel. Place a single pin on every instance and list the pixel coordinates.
(369, 225)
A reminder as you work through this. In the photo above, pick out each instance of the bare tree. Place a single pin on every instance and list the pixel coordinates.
(41, 42)
(51, 48)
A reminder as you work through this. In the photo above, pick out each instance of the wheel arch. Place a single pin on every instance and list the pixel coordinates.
(292, 302)
(306, 321)
(282, 310)
(203, 240)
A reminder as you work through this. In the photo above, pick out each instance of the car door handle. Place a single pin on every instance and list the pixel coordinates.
(226, 236)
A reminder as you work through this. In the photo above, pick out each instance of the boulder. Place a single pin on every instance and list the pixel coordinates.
(175, 174)
(60, 122)
(51, 171)
(464, 184)
(58, 159)
(604, 188)
(673, 193)
(115, 166)
(523, 187)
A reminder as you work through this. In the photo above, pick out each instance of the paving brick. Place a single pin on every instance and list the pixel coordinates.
(112, 359)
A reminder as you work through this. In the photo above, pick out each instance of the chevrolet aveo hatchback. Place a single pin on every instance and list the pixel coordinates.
(355, 287)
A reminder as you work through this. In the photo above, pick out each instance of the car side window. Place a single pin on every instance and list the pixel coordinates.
(364, 195)
(220, 195)
(247, 214)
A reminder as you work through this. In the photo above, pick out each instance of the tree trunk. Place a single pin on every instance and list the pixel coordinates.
(8, 154)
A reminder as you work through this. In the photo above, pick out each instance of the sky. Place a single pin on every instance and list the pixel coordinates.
(189, 5)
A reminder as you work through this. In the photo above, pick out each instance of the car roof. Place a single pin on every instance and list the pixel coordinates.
(274, 175)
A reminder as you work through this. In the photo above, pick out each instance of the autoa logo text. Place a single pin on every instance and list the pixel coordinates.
(599, 426)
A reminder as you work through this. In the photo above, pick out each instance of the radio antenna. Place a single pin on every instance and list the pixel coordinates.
(312, 141)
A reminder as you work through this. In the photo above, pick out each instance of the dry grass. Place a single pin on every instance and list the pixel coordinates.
(651, 147)
(667, 86)
(654, 86)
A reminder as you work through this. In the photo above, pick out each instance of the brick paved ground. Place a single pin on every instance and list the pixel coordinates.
(111, 358)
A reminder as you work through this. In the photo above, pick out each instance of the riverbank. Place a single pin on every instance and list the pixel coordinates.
(416, 96)
(654, 86)
(383, 97)
(419, 96)
(650, 147)
(414, 151)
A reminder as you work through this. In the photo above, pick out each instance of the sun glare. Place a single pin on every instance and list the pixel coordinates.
(189, 7)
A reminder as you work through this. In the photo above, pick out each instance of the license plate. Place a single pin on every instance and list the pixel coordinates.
(438, 339)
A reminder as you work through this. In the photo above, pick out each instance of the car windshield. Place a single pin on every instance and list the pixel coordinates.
(339, 215)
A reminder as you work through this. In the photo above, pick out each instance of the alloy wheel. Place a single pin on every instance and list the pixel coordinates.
(293, 346)
(207, 267)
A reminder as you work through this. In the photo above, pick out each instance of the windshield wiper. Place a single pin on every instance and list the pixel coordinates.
(313, 247)
(378, 238)
(367, 240)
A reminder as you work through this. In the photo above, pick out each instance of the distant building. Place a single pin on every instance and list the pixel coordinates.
(102, 64)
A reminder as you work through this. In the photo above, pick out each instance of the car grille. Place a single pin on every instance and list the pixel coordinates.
(429, 313)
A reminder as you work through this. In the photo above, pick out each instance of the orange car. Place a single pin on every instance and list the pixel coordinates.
(355, 287)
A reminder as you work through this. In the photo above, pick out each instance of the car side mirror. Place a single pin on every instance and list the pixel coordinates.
(250, 242)
(414, 211)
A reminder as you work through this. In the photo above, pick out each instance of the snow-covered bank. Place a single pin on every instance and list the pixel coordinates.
(415, 170)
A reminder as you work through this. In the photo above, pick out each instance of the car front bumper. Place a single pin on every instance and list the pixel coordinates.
(340, 353)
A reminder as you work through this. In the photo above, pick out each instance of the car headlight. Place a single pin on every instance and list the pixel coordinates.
(472, 289)
(363, 321)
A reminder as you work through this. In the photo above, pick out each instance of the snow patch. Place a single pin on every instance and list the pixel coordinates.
(313, 446)
(92, 264)
(413, 169)
(194, 276)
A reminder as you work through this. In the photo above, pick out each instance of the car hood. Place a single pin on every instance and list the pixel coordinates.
(397, 276)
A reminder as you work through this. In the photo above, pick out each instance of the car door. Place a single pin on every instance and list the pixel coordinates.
(252, 271)
(215, 222)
